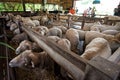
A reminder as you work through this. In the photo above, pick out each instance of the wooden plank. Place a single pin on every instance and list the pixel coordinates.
(109, 68)
(115, 57)
(68, 59)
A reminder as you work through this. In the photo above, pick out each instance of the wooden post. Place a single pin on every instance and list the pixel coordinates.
(43, 4)
(106, 20)
(83, 22)
(23, 3)
(72, 3)
(69, 20)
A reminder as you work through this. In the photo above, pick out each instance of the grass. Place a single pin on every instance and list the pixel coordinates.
(7, 45)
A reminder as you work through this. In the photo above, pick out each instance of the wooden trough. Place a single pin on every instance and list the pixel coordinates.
(73, 63)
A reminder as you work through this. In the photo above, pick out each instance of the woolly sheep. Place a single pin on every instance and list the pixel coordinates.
(98, 46)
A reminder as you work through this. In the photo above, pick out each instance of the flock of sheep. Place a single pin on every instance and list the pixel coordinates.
(95, 39)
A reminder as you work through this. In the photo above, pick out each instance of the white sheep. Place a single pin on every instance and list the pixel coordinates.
(110, 32)
(73, 36)
(65, 44)
(114, 41)
(27, 59)
(97, 47)
(54, 31)
(27, 45)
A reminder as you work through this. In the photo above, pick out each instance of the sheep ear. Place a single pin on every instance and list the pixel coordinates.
(42, 33)
(33, 66)
(26, 61)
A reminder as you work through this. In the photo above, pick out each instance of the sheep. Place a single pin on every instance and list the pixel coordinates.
(35, 17)
(44, 29)
(9, 16)
(16, 31)
(26, 58)
(100, 27)
(17, 19)
(24, 45)
(30, 59)
(54, 31)
(73, 36)
(113, 41)
(58, 23)
(37, 58)
(41, 30)
(19, 37)
(65, 44)
(36, 47)
(8, 23)
(75, 25)
(64, 29)
(13, 26)
(36, 22)
(107, 27)
(27, 45)
(38, 30)
(110, 32)
(117, 36)
(94, 28)
(93, 34)
(98, 46)
(42, 59)
(110, 17)
(87, 26)
(27, 52)
(28, 22)
(20, 60)
(54, 38)
(44, 19)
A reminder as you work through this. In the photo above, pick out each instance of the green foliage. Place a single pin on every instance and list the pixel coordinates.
(1, 7)
(10, 6)
(13, 6)
(7, 45)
